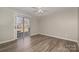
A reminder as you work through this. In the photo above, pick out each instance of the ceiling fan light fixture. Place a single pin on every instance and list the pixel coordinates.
(39, 10)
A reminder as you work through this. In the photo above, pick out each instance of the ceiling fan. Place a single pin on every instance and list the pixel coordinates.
(39, 10)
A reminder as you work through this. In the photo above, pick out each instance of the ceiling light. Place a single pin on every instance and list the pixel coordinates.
(39, 10)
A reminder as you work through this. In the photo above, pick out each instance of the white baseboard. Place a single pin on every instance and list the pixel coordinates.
(60, 37)
(33, 34)
(7, 41)
(78, 43)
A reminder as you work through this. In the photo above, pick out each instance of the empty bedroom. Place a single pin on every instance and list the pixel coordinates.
(39, 29)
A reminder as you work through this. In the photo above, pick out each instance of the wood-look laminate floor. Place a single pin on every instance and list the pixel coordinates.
(39, 43)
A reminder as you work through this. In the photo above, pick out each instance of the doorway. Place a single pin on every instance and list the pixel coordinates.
(22, 27)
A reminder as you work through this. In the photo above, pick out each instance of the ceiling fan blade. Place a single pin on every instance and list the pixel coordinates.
(35, 7)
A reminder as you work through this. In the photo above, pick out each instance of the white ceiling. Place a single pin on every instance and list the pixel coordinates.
(32, 10)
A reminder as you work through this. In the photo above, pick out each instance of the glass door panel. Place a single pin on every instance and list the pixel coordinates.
(19, 27)
(26, 27)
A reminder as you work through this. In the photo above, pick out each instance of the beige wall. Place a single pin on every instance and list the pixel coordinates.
(6, 25)
(62, 24)
(34, 26)
(78, 26)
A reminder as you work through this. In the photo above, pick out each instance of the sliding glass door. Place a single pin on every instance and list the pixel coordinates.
(22, 27)
(26, 28)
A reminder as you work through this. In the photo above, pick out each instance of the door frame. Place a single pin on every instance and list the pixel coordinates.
(15, 26)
